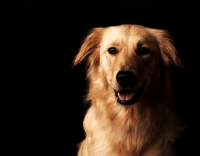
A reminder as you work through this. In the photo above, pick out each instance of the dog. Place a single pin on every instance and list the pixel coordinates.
(131, 110)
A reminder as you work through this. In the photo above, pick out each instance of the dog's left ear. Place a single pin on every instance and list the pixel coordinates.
(168, 51)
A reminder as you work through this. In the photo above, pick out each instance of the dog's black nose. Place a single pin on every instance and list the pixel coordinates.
(125, 78)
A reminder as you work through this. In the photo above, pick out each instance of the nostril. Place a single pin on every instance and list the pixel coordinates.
(125, 78)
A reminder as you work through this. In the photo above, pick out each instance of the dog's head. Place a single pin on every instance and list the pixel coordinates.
(127, 58)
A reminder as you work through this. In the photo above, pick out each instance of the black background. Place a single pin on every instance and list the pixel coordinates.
(39, 39)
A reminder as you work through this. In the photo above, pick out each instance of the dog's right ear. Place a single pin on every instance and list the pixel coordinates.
(89, 47)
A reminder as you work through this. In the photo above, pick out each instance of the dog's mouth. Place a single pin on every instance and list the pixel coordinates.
(128, 96)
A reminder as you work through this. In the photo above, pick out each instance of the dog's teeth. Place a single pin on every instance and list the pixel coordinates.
(125, 96)
(121, 96)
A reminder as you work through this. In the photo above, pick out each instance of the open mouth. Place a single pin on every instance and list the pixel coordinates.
(128, 97)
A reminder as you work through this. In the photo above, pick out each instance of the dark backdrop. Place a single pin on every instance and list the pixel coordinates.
(40, 38)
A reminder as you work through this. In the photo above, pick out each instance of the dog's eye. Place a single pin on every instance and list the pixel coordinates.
(142, 51)
(112, 50)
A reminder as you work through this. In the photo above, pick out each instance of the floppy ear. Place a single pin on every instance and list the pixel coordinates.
(89, 47)
(168, 51)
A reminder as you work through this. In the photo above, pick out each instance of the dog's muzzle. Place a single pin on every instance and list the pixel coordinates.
(126, 95)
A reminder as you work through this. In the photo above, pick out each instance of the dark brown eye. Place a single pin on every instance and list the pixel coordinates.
(142, 51)
(112, 50)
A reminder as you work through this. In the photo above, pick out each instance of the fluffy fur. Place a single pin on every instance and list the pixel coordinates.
(131, 112)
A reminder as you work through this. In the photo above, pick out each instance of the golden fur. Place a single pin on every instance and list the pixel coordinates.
(146, 127)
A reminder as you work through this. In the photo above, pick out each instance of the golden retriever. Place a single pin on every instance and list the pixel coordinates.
(131, 103)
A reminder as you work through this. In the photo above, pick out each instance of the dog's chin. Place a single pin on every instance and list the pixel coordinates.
(127, 96)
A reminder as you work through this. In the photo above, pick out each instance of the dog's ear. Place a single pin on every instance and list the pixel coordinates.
(168, 51)
(89, 46)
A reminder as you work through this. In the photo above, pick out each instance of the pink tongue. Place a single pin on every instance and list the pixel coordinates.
(125, 96)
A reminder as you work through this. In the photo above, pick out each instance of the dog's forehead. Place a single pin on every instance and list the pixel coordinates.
(118, 35)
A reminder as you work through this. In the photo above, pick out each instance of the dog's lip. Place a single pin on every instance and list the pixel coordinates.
(128, 96)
